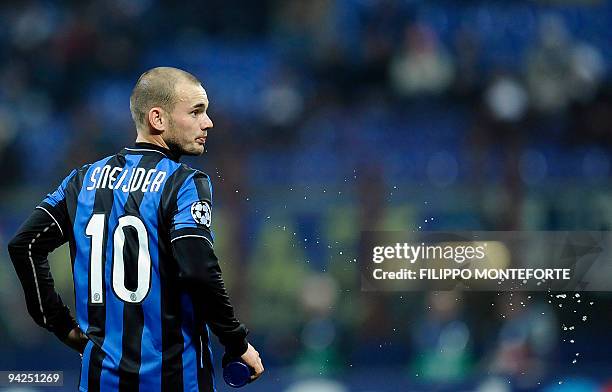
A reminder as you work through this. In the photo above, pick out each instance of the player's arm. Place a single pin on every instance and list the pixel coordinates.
(38, 236)
(42, 232)
(199, 271)
(200, 275)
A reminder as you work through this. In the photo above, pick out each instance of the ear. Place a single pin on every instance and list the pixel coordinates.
(157, 119)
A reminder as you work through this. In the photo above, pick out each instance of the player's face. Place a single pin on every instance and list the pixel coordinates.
(189, 123)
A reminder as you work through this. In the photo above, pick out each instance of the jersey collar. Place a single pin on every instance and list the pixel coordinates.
(143, 147)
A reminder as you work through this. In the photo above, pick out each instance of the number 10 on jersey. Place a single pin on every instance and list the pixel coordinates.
(95, 229)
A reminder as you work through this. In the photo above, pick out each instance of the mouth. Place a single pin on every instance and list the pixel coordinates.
(201, 140)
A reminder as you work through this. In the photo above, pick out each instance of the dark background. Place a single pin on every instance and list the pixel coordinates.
(333, 117)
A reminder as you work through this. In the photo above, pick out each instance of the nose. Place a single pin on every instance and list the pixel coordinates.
(206, 123)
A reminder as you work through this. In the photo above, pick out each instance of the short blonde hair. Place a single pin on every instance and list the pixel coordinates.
(156, 88)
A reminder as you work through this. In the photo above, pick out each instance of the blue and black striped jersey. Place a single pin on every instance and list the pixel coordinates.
(146, 280)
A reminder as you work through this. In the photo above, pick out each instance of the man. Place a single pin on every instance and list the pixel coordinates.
(147, 282)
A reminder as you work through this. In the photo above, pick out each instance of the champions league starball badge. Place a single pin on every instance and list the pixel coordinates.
(200, 211)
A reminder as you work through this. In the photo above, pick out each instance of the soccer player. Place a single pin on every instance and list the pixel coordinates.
(147, 283)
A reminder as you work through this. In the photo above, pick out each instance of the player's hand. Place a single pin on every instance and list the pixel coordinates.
(76, 340)
(251, 358)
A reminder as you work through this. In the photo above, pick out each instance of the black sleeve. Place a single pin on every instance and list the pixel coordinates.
(200, 275)
(29, 249)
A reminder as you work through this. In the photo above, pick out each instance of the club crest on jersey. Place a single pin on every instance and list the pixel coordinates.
(201, 213)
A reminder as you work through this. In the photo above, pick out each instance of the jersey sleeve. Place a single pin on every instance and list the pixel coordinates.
(29, 249)
(193, 214)
(55, 204)
(201, 277)
(198, 268)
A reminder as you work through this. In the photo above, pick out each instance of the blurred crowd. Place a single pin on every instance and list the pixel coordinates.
(333, 117)
(379, 80)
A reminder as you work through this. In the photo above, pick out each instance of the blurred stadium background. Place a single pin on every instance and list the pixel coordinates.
(332, 117)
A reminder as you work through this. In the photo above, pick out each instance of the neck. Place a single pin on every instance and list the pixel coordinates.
(157, 140)
(153, 139)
